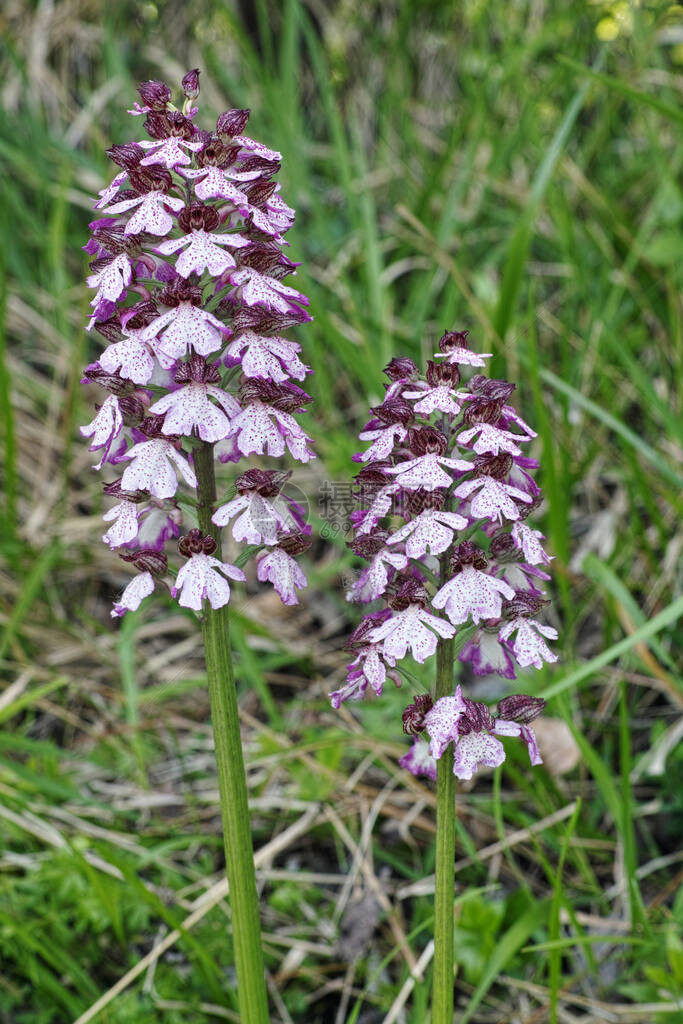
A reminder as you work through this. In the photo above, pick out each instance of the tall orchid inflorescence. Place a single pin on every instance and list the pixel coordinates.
(445, 494)
(188, 268)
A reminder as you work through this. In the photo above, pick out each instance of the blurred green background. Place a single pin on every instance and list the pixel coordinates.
(509, 169)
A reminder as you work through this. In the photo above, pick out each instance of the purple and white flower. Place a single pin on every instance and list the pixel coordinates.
(258, 289)
(493, 498)
(431, 532)
(168, 151)
(419, 761)
(151, 214)
(202, 252)
(188, 410)
(203, 577)
(530, 543)
(269, 356)
(137, 590)
(152, 468)
(472, 593)
(491, 439)
(188, 328)
(279, 568)
(529, 646)
(373, 581)
(111, 281)
(414, 629)
(104, 429)
(427, 472)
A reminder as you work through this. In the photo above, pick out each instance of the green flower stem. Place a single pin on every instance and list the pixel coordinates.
(232, 783)
(444, 891)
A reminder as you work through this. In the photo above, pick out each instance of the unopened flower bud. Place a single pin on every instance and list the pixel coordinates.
(519, 707)
(402, 368)
(147, 560)
(154, 95)
(231, 122)
(190, 84)
(414, 715)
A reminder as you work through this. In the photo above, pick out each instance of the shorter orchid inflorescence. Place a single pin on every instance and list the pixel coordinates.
(188, 269)
(444, 495)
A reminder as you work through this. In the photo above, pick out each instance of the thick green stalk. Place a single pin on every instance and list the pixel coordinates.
(444, 894)
(232, 783)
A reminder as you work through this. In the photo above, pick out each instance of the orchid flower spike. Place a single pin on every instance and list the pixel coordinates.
(444, 494)
(188, 256)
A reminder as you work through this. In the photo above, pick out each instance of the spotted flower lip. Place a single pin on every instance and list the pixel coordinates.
(412, 629)
(276, 566)
(137, 590)
(188, 410)
(203, 577)
(472, 594)
(432, 532)
(529, 646)
(152, 468)
(151, 214)
(427, 471)
(269, 356)
(185, 327)
(260, 520)
(203, 250)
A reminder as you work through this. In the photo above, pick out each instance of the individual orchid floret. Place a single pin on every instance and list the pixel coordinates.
(202, 576)
(529, 541)
(373, 581)
(111, 280)
(265, 422)
(412, 627)
(529, 647)
(151, 206)
(152, 463)
(517, 573)
(490, 497)
(262, 515)
(389, 427)
(277, 566)
(201, 247)
(175, 149)
(137, 590)
(433, 528)
(473, 731)
(487, 654)
(428, 470)
(269, 356)
(439, 394)
(471, 592)
(188, 326)
(124, 518)
(375, 487)
(150, 564)
(105, 428)
(188, 410)
(453, 347)
(491, 439)
(255, 289)
(131, 357)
